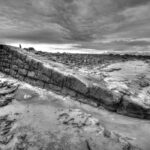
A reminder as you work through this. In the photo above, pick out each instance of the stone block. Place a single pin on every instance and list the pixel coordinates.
(15, 67)
(52, 87)
(23, 57)
(31, 74)
(104, 96)
(34, 64)
(29, 80)
(38, 83)
(7, 71)
(6, 65)
(19, 63)
(23, 72)
(34, 82)
(28, 60)
(13, 73)
(57, 78)
(21, 77)
(42, 77)
(25, 66)
(67, 91)
(76, 85)
(131, 108)
(47, 71)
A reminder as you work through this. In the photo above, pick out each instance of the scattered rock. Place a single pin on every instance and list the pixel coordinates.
(7, 92)
(144, 83)
(78, 119)
(5, 129)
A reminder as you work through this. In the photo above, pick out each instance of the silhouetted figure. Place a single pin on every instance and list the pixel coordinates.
(20, 46)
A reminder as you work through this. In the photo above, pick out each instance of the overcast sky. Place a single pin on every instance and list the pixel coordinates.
(67, 21)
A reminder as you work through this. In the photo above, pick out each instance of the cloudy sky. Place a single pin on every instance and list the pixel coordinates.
(68, 21)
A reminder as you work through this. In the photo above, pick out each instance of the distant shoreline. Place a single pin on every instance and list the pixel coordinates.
(77, 49)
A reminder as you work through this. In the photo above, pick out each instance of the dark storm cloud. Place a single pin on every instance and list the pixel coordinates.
(73, 20)
(133, 42)
(91, 19)
(138, 43)
(129, 3)
(39, 37)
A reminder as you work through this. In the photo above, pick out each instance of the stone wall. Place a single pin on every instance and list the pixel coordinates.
(20, 65)
(25, 67)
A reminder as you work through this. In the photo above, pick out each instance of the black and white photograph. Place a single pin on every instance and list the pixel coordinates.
(74, 74)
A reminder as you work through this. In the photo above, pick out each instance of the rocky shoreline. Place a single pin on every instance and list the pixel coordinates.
(74, 128)
(120, 86)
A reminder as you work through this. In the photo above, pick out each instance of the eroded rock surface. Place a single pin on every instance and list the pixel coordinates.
(119, 83)
(7, 92)
(132, 81)
(6, 125)
(40, 120)
(87, 123)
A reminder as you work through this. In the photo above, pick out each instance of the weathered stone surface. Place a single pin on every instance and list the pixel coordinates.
(13, 73)
(31, 74)
(28, 80)
(21, 77)
(52, 87)
(115, 96)
(144, 82)
(34, 82)
(28, 60)
(7, 71)
(105, 96)
(7, 92)
(5, 129)
(6, 65)
(19, 63)
(34, 64)
(23, 72)
(15, 67)
(57, 78)
(76, 85)
(131, 108)
(67, 91)
(26, 66)
(42, 77)
(47, 72)
(38, 83)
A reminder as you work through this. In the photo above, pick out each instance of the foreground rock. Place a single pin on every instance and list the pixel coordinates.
(37, 119)
(7, 92)
(5, 130)
(79, 120)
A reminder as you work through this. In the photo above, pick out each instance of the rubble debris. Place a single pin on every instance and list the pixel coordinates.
(7, 92)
